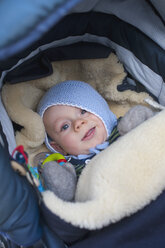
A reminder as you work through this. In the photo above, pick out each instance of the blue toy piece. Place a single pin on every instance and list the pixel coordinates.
(35, 174)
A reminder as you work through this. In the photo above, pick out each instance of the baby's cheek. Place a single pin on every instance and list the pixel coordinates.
(69, 144)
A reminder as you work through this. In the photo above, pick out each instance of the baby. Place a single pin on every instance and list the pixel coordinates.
(79, 124)
(76, 118)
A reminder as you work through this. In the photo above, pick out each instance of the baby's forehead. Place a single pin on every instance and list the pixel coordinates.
(61, 107)
(59, 111)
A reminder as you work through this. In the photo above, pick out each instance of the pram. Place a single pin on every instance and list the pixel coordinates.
(36, 33)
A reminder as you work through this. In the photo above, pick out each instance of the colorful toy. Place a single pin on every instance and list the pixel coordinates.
(31, 172)
(20, 155)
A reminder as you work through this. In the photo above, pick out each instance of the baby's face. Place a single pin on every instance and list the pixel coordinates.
(73, 130)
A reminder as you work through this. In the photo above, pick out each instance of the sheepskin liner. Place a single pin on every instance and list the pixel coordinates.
(119, 181)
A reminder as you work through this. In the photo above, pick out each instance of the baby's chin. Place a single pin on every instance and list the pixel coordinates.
(85, 151)
(81, 152)
(78, 153)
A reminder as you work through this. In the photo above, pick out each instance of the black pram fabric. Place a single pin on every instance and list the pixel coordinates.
(142, 229)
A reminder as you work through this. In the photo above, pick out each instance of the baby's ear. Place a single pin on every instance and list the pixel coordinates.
(57, 147)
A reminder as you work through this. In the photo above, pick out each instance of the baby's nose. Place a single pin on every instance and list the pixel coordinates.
(79, 123)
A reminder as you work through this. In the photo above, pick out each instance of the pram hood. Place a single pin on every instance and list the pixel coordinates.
(19, 32)
(62, 26)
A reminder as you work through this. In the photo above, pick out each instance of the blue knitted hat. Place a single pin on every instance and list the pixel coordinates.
(81, 95)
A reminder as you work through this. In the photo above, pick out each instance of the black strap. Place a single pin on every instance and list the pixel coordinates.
(3, 136)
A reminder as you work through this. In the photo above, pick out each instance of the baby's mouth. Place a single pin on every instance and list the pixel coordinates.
(89, 134)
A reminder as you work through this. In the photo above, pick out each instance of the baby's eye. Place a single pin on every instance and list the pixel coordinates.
(83, 111)
(64, 127)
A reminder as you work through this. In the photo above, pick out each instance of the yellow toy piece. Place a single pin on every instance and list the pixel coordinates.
(53, 157)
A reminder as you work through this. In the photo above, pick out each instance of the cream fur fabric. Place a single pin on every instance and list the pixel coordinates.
(119, 181)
